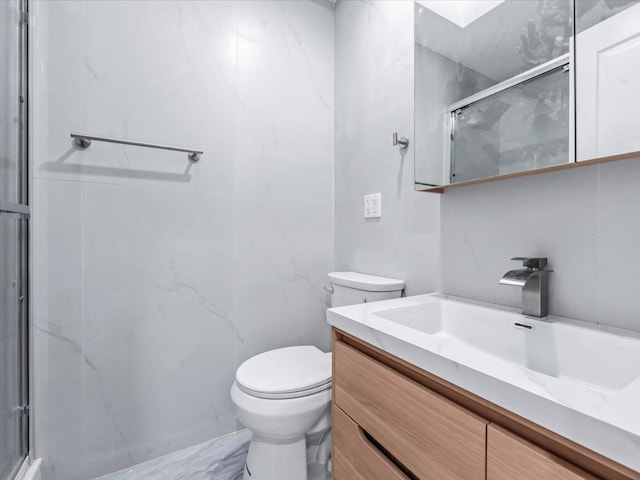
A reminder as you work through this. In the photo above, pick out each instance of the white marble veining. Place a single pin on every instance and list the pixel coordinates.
(219, 459)
(579, 380)
(374, 98)
(154, 278)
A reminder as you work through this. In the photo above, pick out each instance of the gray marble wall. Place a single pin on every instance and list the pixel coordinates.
(586, 221)
(374, 98)
(153, 278)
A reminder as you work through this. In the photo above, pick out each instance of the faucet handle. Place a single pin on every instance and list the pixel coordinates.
(538, 263)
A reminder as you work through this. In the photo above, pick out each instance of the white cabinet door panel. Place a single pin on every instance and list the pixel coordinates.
(608, 86)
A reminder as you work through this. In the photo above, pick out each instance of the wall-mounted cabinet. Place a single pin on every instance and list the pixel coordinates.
(608, 84)
(504, 87)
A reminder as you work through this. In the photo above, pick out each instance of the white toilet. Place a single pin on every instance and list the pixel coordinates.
(284, 396)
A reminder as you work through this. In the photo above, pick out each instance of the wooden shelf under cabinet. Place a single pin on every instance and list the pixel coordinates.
(527, 173)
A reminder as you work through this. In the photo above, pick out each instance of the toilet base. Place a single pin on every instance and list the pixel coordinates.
(270, 459)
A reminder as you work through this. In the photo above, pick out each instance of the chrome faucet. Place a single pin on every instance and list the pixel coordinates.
(533, 281)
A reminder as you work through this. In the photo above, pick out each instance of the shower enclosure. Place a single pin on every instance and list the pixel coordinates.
(14, 218)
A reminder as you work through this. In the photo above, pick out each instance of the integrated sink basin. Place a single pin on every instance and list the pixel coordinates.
(578, 379)
(568, 349)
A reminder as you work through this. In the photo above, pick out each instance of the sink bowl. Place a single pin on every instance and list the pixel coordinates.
(602, 358)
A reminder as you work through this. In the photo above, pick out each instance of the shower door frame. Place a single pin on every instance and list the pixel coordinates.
(25, 235)
(563, 61)
(22, 211)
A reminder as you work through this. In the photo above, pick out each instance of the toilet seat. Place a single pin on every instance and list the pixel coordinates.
(290, 372)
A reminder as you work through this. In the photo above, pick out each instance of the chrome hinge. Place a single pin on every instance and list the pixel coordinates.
(23, 410)
(24, 18)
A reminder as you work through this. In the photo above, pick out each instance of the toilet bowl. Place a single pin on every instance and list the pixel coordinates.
(284, 396)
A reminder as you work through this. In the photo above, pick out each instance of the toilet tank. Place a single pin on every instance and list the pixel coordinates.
(351, 287)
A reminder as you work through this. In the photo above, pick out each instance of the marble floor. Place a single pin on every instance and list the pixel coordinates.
(218, 459)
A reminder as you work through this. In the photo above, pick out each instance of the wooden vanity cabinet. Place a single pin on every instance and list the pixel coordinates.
(394, 421)
(355, 457)
(429, 435)
(510, 457)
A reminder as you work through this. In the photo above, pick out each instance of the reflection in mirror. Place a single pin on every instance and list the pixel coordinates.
(592, 12)
(607, 77)
(523, 127)
(491, 95)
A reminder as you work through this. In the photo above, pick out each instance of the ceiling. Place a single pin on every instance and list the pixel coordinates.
(460, 12)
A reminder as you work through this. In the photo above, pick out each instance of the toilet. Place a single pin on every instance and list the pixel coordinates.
(284, 396)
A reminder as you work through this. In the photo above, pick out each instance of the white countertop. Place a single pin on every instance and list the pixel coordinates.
(604, 420)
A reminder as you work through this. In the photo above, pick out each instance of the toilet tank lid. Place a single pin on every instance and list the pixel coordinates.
(369, 283)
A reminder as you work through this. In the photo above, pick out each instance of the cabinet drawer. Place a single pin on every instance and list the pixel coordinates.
(509, 457)
(429, 435)
(354, 456)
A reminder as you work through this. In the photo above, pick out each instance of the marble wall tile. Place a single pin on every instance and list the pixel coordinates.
(550, 215)
(583, 220)
(374, 98)
(175, 275)
(57, 55)
(168, 77)
(284, 174)
(56, 286)
(157, 322)
(618, 234)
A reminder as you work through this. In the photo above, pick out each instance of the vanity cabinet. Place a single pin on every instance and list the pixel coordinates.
(356, 456)
(509, 457)
(429, 435)
(392, 421)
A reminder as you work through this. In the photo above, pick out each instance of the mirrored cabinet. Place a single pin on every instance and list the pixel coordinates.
(504, 87)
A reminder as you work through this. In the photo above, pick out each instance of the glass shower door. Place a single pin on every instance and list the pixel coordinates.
(12, 440)
(14, 214)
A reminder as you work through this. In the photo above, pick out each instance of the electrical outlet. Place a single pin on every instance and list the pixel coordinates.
(373, 205)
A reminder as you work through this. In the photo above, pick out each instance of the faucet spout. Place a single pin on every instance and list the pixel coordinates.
(533, 281)
(516, 278)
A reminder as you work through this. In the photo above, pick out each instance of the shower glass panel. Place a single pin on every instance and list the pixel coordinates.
(12, 441)
(13, 240)
(9, 105)
(521, 128)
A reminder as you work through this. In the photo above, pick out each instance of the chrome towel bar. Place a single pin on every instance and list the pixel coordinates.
(83, 141)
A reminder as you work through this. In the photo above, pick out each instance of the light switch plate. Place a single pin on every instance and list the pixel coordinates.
(373, 205)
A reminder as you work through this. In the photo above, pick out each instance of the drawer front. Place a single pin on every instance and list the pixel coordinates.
(431, 436)
(509, 457)
(354, 457)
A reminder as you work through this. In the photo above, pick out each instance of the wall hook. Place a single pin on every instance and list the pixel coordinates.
(402, 141)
